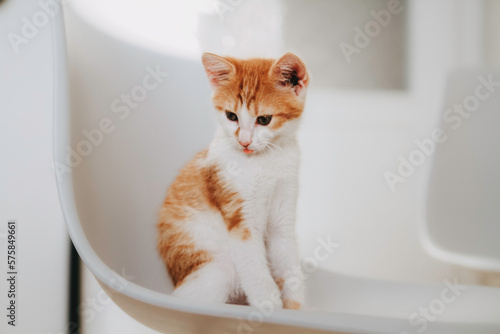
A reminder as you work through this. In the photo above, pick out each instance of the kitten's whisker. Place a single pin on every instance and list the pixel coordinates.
(273, 145)
(276, 146)
(267, 150)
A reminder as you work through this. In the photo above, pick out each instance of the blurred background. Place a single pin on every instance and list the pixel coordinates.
(379, 75)
(381, 72)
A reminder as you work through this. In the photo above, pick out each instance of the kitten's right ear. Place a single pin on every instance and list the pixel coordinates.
(290, 73)
(218, 69)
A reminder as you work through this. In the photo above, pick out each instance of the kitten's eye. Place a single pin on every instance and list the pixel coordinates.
(264, 120)
(231, 116)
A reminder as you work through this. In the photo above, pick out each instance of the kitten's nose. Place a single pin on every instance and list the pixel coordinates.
(245, 143)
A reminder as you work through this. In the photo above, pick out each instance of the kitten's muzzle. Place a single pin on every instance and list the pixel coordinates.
(245, 144)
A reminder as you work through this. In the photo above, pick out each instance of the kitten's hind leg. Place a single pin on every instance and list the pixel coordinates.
(213, 282)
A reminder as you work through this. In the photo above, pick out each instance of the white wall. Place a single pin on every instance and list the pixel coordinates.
(27, 179)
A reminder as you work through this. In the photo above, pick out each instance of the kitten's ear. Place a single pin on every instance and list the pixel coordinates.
(290, 73)
(218, 69)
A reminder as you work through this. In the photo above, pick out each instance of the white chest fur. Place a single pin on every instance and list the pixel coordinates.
(255, 176)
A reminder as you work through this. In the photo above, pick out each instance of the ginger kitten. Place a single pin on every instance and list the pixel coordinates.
(227, 225)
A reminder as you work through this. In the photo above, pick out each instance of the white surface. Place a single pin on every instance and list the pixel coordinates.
(101, 314)
(112, 197)
(161, 26)
(462, 221)
(27, 184)
(349, 140)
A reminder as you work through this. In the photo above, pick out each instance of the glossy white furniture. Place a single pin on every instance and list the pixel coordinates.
(111, 199)
(462, 225)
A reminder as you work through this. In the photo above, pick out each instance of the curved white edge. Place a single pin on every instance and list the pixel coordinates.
(61, 138)
(434, 249)
(113, 32)
(464, 260)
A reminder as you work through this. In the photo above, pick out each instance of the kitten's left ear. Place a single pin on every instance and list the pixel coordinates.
(290, 73)
(218, 69)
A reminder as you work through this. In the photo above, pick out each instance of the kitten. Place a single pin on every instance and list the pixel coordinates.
(227, 226)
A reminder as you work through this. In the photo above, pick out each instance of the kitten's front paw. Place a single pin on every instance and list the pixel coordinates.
(291, 304)
(271, 302)
(293, 292)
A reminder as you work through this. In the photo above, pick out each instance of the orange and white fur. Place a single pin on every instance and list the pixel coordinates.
(227, 225)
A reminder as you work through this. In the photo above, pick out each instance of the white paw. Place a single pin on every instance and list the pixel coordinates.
(267, 301)
(293, 292)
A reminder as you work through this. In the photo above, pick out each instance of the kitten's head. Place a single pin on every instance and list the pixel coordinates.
(258, 101)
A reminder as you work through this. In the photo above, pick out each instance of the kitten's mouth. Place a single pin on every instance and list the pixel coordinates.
(247, 151)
